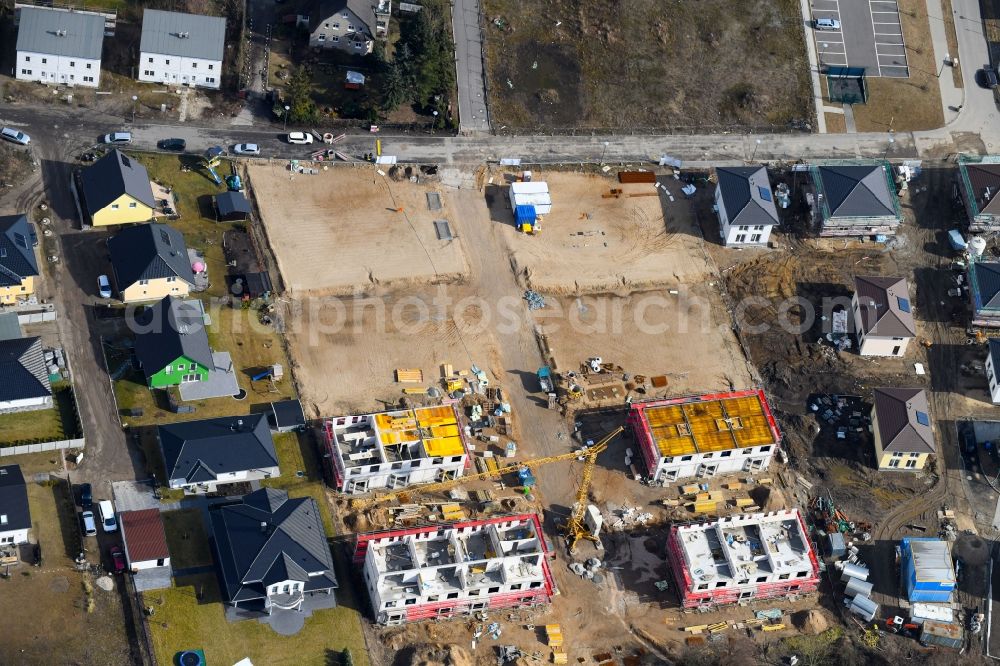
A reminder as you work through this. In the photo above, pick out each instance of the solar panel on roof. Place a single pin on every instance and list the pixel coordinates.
(904, 304)
(765, 193)
(923, 419)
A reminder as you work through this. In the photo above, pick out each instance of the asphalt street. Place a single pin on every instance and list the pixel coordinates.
(473, 114)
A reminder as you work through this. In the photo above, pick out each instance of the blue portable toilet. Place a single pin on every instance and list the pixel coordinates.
(525, 215)
(927, 570)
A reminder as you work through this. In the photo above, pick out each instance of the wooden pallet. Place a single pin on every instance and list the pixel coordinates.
(409, 375)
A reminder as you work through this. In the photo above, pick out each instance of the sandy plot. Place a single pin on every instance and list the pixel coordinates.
(340, 231)
(685, 336)
(592, 243)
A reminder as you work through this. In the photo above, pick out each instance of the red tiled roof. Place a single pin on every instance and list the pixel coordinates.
(144, 536)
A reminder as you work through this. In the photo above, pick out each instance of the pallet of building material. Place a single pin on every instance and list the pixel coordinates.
(733, 485)
(690, 489)
(717, 627)
(743, 502)
(553, 635)
(707, 506)
(645, 194)
(409, 375)
(752, 508)
(695, 628)
(559, 657)
(766, 481)
(659, 381)
(447, 370)
(773, 627)
(636, 177)
(452, 512)
(421, 390)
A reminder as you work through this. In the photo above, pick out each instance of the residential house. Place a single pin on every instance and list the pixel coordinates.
(979, 183)
(883, 316)
(992, 367)
(59, 46)
(984, 292)
(855, 198)
(272, 553)
(15, 515)
(201, 455)
(150, 262)
(901, 425)
(18, 265)
(349, 25)
(287, 416)
(171, 343)
(745, 205)
(25, 386)
(181, 49)
(115, 190)
(146, 552)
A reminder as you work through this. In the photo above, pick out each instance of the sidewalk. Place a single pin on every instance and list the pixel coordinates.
(950, 95)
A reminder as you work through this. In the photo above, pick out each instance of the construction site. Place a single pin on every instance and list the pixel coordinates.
(543, 457)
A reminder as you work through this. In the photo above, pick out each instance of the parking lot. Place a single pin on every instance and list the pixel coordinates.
(870, 36)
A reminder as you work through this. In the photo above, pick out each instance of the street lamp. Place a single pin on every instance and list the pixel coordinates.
(287, 109)
(754, 153)
(134, 100)
(604, 152)
(947, 58)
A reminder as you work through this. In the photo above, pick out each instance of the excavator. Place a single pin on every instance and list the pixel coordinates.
(574, 529)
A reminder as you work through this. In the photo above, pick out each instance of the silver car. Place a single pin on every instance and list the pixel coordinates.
(246, 149)
(14, 135)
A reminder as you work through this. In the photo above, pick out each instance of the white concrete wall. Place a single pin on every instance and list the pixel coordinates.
(147, 564)
(991, 378)
(420, 470)
(61, 70)
(707, 465)
(229, 477)
(876, 346)
(176, 70)
(25, 405)
(14, 537)
(746, 234)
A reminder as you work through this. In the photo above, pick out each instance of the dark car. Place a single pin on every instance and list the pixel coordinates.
(117, 559)
(986, 77)
(968, 437)
(86, 496)
(171, 144)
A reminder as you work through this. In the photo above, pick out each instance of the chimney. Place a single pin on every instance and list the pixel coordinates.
(263, 526)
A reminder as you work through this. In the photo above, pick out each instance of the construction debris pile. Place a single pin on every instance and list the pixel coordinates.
(535, 300)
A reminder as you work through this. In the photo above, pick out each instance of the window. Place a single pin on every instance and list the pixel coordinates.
(194, 65)
(336, 26)
(910, 464)
(755, 238)
(150, 60)
(894, 462)
(741, 238)
(71, 77)
(72, 63)
(536, 583)
(168, 62)
(209, 79)
(744, 228)
(211, 66)
(350, 27)
(707, 456)
(721, 583)
(132, 204)
(761, 579)
(89, 79)
(140, 281)
(726, 454)
(26, 71)
(321, 38)
(44, 60)
(492, 590)
(346, 15)
(3, 518)
(410, 602)
(88, 65)
(27, 58)
(172, 279)
(358, 45)
(759, 227)
(923, 419)
(335, 39)
(114, 206)
(685, 458)
(784, 576)
(765, 449)
(703, 586)
(180, 366)
(453, 595)
(515, 586)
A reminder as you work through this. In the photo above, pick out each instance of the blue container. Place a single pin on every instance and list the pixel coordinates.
(926, 569)
(525, 215)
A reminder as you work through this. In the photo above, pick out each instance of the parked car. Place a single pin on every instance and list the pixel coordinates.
(300, 138)
(986, 77)
(827, 24)
(108, 520)
(117, 559)
(88, 524)
(118, 137)
(969, 440)
(171, 144)
(14, 135)
(246, 149)
(104, 286)
(86, 496)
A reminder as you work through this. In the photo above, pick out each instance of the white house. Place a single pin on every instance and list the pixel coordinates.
(25, 386)
(181, 49)
(883, 317)
(992, 364)
(15, 518)
(58, 46)
(745, 205)
(349, 25)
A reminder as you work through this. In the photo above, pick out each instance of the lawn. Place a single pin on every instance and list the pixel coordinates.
(187, 539)
(43, 425)
(182, 622)
(297, 453)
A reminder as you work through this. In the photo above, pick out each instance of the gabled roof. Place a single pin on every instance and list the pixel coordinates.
(143, 534)
(904, 420)
(17, 256)
(171, 329)
(14, 499)
(885, 307)
(183, 35)
(363, 9)
(268, 539)
(984, 277)
(23, 374)
(59, 33)
(746, 193)
(984, 182)
(289, 414)
(198, 451)
(232, 202)
(113, 175)
(149, 252)
(857, 190)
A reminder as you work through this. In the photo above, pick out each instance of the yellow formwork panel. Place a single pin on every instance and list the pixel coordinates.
(750, 412)
(443, 446)
(669, 430)
(708, 427)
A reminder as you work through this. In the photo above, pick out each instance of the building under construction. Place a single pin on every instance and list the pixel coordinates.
(395, 449)
(743, 557)
(456, 569)
(699, 436)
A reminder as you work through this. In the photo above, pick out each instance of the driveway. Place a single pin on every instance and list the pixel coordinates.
(870, 36)
(472, 111)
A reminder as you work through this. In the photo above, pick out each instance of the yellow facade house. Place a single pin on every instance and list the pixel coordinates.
(116, 190)
(150, 262)
(18, 265)
(901, 424)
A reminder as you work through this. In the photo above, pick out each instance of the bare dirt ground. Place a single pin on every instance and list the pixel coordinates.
(566, 64)
(592, 243)
(340, 231)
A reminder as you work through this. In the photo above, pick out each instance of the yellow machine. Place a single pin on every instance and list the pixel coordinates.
(574, 529)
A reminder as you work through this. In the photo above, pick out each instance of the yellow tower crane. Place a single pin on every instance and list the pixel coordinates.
(574, 529)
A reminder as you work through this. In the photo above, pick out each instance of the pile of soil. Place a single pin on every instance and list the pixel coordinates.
(812, 622)
(439, 655)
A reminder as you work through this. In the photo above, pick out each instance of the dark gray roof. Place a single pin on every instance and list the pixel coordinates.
(17, 256)
(746, 193)
(60, 33)
(23, 374)
(183, 35)
(113, 175)
(289, 414)
(984, 180)
(14, 499)
(363, 9)
(232, 202)
(899, 424)
(10, 326)
(149, 252)
(857, 191)
(885, 307)
(169, 330)
(199, 451)
(995, 353)
(986, 284)
(269, 539)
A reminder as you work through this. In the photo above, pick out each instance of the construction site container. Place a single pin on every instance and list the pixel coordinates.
(857, 587)
(863, 607)
(927, 571)
(531, 194)
(945, 634)
(937, 612)
(835, 546)
(854, 571)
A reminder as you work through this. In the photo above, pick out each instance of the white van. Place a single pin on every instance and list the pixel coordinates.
(107, 511)
(827, 24)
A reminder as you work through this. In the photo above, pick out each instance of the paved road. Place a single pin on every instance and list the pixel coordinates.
(473, 116)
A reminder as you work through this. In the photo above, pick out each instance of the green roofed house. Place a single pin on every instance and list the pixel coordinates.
(855, 198)
(171, 343)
